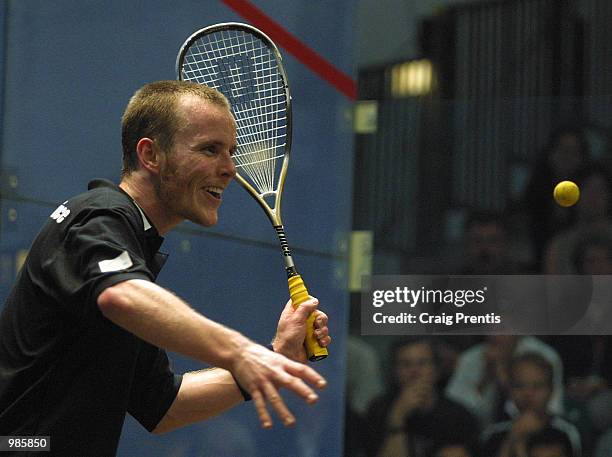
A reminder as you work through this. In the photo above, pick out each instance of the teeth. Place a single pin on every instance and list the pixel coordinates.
(216, 190)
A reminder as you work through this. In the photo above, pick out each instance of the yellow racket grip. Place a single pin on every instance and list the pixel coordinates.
(299, 294)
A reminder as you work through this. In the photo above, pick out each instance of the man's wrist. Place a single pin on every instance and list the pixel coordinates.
(246, 395)
(291, 351)
(232, 350)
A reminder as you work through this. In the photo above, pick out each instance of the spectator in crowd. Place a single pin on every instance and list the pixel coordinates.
(414, 416)
(593, 221)
(481, 380)
(531, 387)
(486, 246)
(588, 357)
(565, 155)
(549, 442)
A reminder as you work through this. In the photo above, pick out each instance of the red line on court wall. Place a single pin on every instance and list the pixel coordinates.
(318, 64)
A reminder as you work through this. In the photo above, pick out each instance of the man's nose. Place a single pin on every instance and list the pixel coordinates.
(228, 167)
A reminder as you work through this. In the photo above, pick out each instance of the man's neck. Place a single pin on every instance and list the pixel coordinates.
(143, 193)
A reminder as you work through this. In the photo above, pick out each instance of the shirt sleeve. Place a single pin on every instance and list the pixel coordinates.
(100, 248)
(154, 387)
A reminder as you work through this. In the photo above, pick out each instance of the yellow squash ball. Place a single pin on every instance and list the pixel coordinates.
(566, 193)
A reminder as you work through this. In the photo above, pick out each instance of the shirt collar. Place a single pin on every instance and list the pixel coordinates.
(146, 224)
(106, 183)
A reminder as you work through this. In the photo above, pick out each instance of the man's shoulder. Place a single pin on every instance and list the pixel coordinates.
(102, 201)
(101, 192)
(103, 195)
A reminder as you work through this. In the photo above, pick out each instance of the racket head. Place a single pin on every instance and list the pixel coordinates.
(246, 66)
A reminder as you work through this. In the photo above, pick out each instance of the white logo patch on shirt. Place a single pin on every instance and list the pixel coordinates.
(60, 213)
(121, 262)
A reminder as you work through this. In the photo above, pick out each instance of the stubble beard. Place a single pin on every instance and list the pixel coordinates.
(169, 195)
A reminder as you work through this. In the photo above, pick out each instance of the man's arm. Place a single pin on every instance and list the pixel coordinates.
(160, 318)
(204, 394)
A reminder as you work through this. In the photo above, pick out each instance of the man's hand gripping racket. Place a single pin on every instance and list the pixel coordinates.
(245, 65)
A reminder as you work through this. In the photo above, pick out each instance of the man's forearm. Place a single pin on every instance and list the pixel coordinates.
(161, 318)
(203, 394)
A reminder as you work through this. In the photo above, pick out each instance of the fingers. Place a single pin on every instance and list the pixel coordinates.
(323, 337)
(304, 372)
(278, 405)
(324, 341)
(260, 407)
(321, 319)
(272, 396)
(269, 372)
(321, 331)
(306, 308)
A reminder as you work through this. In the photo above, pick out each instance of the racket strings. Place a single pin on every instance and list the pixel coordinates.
(246, 71)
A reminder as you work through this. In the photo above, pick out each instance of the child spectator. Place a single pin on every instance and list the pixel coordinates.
(531, 386)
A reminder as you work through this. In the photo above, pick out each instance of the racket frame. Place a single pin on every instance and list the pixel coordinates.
(297, 289)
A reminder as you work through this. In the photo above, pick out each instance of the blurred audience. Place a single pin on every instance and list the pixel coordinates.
(585, 244)
(563, 158)
(482, 379)
(531, 388)
(600, 413)
(593, 256)
(413, 418)
(364, 376)
(487, 249)
(549, 442)
(443, 392)
(363, 384)
(454, 449)
(604, 445)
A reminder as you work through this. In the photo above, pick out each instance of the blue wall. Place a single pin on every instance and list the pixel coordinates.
(70, 67)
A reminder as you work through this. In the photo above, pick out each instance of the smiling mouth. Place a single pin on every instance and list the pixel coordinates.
(215, 192)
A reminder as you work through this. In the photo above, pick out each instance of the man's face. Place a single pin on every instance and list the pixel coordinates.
(547, 450)
(199, 166)
(531, 389)
(486, 246)
(415, 362)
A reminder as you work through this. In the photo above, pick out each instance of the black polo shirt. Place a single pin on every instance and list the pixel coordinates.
(65, 370)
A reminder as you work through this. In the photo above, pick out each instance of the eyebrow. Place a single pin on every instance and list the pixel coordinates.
(203, 143)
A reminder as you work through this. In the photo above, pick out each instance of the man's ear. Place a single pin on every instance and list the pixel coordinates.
(149, 155)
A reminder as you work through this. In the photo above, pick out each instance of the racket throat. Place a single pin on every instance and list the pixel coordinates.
(282, 238)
